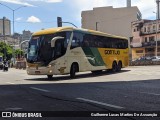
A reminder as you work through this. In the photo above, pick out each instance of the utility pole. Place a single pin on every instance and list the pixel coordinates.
(157, 19)
(4, 28)
(4, 34)
(157, 1)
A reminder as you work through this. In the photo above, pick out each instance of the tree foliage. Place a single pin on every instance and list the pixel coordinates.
(6, 50)
(19, 53)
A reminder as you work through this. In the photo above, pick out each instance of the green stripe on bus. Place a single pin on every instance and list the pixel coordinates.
(93, 56)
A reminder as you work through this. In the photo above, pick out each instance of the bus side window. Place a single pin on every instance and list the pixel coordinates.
(77, 40)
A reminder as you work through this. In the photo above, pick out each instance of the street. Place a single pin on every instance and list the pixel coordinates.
(133, 89)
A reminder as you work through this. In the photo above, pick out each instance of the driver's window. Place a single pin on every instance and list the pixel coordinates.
(76, 40)
(61, 44)
(58, 48)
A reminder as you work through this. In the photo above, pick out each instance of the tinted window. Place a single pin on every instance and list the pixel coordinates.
(61, 44)
(77, 40)
(89, 40)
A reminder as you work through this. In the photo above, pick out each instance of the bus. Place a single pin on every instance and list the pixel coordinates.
(68, 50)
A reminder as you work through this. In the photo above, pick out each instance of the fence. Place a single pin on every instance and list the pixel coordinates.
(20, 65)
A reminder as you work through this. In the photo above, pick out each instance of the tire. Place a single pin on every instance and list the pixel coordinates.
(50, 77)
(114, 67)
(73, 71)
(119, 66)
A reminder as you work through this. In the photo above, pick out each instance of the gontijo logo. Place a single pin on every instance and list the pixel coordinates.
(112, 52)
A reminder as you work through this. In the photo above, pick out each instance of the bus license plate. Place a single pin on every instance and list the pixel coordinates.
(37, 72)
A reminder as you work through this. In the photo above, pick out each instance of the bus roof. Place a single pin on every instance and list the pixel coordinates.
(60, 29)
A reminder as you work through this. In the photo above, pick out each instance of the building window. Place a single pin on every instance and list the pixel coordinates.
(149, 49)
(146, 39)
(154, 28)
(144, 29)
(148, 29)
(158, 49)
(139, 51)
(134, 30)
(151, 38)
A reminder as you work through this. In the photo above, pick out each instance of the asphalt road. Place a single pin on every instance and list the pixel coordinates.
(133, 89)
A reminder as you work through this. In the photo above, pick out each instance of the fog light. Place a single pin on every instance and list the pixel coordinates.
(28, 72)
(50, 71)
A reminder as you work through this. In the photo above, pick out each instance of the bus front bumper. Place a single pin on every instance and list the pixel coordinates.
(40, 71)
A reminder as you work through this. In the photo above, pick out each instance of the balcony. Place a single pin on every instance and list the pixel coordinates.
(135, 45)
(151, 43)
(153, 31)
(148, 44)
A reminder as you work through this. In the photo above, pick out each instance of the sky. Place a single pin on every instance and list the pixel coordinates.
(42, 14)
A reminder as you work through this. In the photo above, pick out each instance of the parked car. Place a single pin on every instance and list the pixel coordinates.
(156, 58)
(148, 58)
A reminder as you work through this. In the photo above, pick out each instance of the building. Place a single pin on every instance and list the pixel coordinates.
(5, 26)
(26, 35)
(145, 36)
(10, 41)
(111, 20)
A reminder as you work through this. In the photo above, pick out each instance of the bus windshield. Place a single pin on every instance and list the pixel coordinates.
(40, 49)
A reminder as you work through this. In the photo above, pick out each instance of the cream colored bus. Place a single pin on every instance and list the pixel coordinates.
(67, 50)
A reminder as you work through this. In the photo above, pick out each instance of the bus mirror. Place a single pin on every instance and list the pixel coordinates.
(53, 41)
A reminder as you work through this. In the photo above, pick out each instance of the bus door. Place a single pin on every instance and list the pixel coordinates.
(60, 51)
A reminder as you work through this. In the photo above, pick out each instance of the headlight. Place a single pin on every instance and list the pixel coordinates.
(49, 66)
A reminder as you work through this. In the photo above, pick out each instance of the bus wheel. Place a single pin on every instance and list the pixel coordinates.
(49, 77)
(73, 70)
(119, 66)
(114, 67)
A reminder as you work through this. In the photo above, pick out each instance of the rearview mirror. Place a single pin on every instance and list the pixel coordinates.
(53, 41)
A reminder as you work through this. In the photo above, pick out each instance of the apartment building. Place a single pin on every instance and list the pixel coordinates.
(111, 20)
(26, 35)
(145, 36)
(5, 26)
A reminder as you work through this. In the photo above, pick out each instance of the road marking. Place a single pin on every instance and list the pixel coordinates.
(101, 103)
(39, 89)
(13, 108)
(10, 83)
(150, 93)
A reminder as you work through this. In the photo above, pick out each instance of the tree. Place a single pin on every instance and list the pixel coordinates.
(6, 51)
(19, 53)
